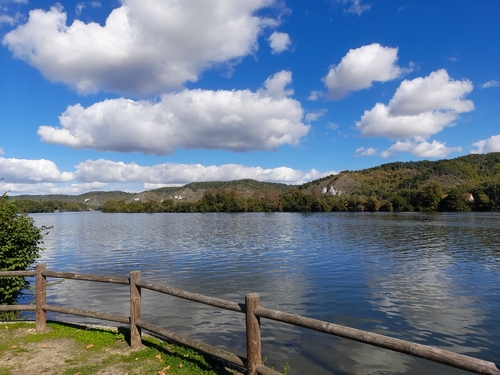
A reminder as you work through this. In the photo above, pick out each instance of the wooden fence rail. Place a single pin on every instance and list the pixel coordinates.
(253, 313)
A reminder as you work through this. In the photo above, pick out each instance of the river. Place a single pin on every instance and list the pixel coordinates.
(430, 278)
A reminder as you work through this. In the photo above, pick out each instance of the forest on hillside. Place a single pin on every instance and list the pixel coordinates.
(430, 197)
(468, 183)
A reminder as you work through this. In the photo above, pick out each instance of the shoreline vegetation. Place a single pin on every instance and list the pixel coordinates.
(468, 183)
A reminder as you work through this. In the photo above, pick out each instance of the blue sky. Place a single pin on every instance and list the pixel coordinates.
(138, 94)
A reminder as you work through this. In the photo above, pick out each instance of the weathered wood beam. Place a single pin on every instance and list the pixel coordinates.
(445, 357)
(211, 301)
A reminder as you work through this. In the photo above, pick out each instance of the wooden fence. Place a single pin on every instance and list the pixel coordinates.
(251, 308)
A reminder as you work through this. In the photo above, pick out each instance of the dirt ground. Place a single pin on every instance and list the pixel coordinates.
(49, 356)
(55, 356)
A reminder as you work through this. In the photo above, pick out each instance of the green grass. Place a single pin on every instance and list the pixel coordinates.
(102, 350)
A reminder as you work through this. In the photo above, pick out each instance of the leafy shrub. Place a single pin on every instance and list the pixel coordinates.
(20, 242)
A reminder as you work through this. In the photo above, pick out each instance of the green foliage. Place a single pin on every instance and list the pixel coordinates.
(429, 197)
(37, 206)
(101, 351)
(20, 242)
(245, 183)
(443, 185)
(456, 200)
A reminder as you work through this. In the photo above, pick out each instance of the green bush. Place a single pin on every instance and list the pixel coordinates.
(20, 242)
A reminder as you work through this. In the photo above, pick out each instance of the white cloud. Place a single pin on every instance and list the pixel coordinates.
(10, 19)
(491, 144)
(79, 8)
(31, 171)
(355, 7)
(360, 67)
(315, 116)
(2, 151)
(314, 95)
(6, 19)
(95, 4)
(49, 188)
(145, 46)
(420, 108)
(365, 152)
(420, 149)
(490, 84)
(279, 42)
(192, 119)
(437, 92)
(168, 174)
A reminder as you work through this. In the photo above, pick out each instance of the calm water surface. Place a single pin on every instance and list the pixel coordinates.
(430, 278)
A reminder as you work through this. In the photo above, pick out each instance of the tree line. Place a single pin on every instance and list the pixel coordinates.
(39, 206)
(431, 197)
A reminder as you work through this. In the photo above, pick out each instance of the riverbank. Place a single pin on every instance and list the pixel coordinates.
(73, 349)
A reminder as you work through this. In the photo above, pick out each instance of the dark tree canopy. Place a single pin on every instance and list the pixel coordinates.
(20, 242)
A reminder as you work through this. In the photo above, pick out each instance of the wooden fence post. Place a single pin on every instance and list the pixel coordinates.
(135, 310)
(254, 354)
(41, 298)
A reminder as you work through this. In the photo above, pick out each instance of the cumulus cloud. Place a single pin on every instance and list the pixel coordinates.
(361, 151)
(279, 42)
(50, 188)
(192, 119)
(360, 67)
(419, 108)
(32, 171)
(145, 46)
(490, 84)
(420, 149)
(484, 146)
(169, 173)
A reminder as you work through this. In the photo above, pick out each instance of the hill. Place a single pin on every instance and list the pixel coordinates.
(465, 183)
(191, 192)
(468, 171)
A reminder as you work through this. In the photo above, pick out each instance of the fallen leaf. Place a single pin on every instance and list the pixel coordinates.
(180, 365)
(158, 356)
(77, 373)
(137, 359)
(90, 346)
(14, 347)
(45, 346)
(161, 373)
(165, 368)
(6, 327)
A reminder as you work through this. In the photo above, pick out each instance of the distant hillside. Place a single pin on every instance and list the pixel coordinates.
(94, 198)
(187, 193)
(466, 183)
(467, 171)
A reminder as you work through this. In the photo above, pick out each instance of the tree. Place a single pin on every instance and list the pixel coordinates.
(430, 196)
(20, 242)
